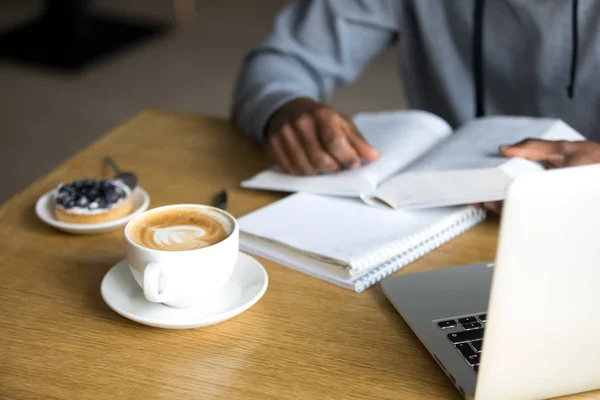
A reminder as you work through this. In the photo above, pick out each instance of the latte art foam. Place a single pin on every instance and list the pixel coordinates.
(181, 237)
(179, 230)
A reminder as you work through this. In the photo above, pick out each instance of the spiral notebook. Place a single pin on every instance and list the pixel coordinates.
(345, 242)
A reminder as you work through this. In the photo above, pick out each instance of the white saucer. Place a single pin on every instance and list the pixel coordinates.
(247, 285)
(44, 209)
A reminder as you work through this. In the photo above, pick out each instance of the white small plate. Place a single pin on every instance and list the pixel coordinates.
(44, 209)
(246, 286)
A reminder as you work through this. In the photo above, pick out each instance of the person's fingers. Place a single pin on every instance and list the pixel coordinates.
(362, 147)
(336, 143)
(334, 140)
(277, 153)
(553, 152)
(494, 206)
(295, 152)
(322, 162)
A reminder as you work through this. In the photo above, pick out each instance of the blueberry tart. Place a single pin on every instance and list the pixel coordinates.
(91, 201)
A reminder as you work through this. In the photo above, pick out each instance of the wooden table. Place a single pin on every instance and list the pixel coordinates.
(305, 339)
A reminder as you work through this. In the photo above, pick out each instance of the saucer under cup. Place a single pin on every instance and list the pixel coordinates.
(246, 286)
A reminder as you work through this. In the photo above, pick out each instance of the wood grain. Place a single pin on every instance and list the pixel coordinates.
(305, 339)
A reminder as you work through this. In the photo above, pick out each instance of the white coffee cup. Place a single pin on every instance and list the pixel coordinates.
(184, 278)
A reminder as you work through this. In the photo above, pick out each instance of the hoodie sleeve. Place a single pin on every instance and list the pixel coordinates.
(314, 47)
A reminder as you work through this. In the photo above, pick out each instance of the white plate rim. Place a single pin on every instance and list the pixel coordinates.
(206, 321)
(43, 200)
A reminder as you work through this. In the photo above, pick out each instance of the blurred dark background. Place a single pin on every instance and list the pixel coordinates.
(185, 57)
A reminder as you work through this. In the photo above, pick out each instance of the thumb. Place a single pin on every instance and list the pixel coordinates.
(362, 147)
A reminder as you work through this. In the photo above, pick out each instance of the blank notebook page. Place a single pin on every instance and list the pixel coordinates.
(343, 229)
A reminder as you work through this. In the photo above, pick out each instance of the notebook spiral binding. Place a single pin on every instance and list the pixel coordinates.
(392, 257)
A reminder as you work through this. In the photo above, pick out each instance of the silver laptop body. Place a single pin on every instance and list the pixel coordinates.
(537, 307)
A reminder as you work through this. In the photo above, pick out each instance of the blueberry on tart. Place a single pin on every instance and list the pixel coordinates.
(90, 201)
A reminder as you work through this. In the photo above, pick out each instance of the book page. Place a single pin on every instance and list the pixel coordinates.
(467, 167)
(476, 144)
(401, 137)
(437, 189)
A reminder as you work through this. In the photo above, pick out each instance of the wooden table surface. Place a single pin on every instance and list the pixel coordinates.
(305, 339)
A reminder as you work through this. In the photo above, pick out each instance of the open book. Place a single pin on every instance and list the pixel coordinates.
(345, 242)
(425, 164)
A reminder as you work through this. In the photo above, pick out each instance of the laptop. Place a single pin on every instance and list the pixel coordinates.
(526, 326)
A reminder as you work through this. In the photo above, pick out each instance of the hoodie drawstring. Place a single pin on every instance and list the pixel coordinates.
(575, 47)
(477, 62)
(478, 57)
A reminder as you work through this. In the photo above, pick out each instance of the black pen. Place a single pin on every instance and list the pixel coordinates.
(220, 200)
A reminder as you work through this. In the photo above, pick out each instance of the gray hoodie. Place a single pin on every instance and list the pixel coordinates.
(460, 59)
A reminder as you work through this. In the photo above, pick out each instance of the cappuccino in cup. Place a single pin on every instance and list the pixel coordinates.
(180, 229)
(182, 254)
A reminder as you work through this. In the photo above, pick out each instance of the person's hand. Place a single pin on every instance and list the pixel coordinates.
(305, 137)
(554, 154)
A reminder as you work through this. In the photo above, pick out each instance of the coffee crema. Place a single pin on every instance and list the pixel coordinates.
(179, 229)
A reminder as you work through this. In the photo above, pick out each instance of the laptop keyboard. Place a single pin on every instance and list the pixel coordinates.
(466, 336)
